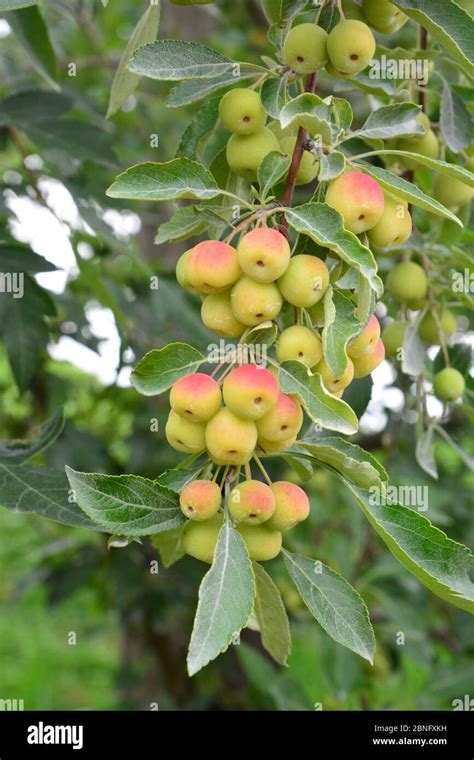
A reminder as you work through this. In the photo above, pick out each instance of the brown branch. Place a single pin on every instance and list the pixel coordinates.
(423, 46)
(34, 179)
(296, 160)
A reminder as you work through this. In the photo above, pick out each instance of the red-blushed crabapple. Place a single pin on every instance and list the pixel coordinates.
(305, 281)
(229, 439)
(255, 302)
(217, 315)
(245, 153)
(212, 266)
(384, 16)
(428, 330)
(309, 164)
(448, 384)
(334, 383)
(299, 343)
(251, 502)
(200, 537)
(351, 46)
(264, 254)
(283, 421)
(407, 282)
(196, 396)
(358, 198)
(366, 341)
(181, 274)
(275, 447)
(200, 499)
(291, 505)
(241, 111)
(394, 226)
(451, 192)
(305, 48)
(263, 543)
(250, 391)
(184, 435)
(393, 338)
(366, 364)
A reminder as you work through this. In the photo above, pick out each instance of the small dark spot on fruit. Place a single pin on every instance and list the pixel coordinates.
(257, 400)
(300, 353)
(362, 216)
(300, 58)
(190, 509)
(246, 119)
(284, 427)
(337, 381)
(180, 442)
(354, 57)
(259, 315)
(253, 515)
(188, 411)
(232, 451)
(260, 263)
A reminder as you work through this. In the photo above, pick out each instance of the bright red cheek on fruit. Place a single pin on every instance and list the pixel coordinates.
(364, 189)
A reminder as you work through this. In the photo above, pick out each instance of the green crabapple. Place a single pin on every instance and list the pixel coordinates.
(299, 343)
(351, 46)
(245, 153)
(185, 436)
(305, 48)
(407, 281)
(264, 254)
(229, 439)
(255, 302)
(305, 281)
(241, 111)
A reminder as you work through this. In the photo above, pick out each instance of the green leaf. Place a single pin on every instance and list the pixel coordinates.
(272, 10)
(350, 460)
(175, 60)
(194, 90)
(309, 111)
(160, 368)
(424, 452)
(407, 190)
(30, 28)
(41, 491)
(179, 178)
(226, 597)
(271, 616)
(271, 170)
(449, 24)
(264, 334)
(126, 505)
(455, 120)
(33, 105)
(169, 545)
(274, 94)
(331, 166)
(15, 257)
(183, 224)
(381, 87)
(340, 325)
(78, 139)
(439, 563)
(199, 130)
(391, 121)
(17, 451)
(291, 8)
(125, 82)
(186, 471)
(324, 225)
(323, 408)
(450, 170)
(335, 604)
(13, 5)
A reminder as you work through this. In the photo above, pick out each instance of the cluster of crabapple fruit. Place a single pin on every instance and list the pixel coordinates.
(230, 419)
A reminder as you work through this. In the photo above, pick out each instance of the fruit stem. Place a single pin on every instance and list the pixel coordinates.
(244, 223)
(296, 160)
(432, 300)
(422, 44)
(216, 473)
(339, 7)
(223, 479)
(248, 471)
(262, 470)
(216, 370)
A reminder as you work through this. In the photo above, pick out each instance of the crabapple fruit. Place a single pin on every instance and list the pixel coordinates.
(250, 391)
(394, 226)
(358, 198)
(384, 16)
(200, 537)
(251, 502)
(309, 164)
(197, 397)
(241, 111)
(351, 46)
(407, 282)
(245, 153)
(264, 254)
(426, 145)
(291, 505)
(393, 338)
(334, 383)
(182, 276)
(275, 447)
(428, 331)
(212, 266)
(299, 343)
(217, 315)
(200, 499)
(229, 439)
(452, 193)
(351, 9)
(255, 302)
(283, 421)
(305, 281)
(263, 543)
(184, 435)
(448, 384)
(366, 364)
(366, 341)
(305, 48)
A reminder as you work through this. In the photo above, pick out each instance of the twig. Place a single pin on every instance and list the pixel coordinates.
(423, 44)
(432, 300)
(16, 139)
(262, 470)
